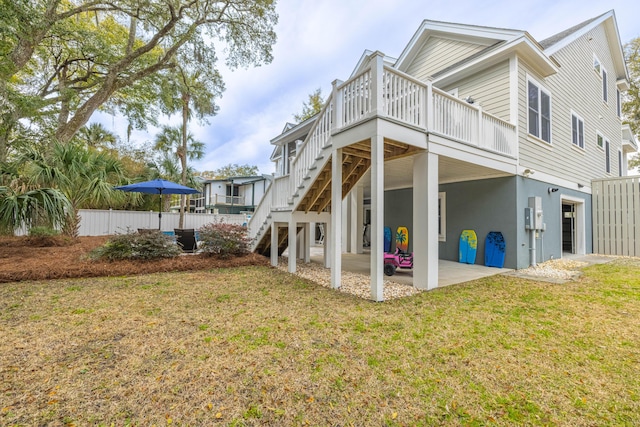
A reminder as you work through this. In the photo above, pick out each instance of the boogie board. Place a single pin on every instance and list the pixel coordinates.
(494, 249)
(468, 247)
(387, 239)
(402, 239)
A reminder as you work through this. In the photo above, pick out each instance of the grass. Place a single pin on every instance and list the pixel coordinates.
(256, 346)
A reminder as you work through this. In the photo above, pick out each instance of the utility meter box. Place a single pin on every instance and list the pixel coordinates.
(535, 204)
(528, 219)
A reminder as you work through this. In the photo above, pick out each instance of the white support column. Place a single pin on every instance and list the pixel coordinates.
(359, 196)
(301, 243)
(292, 245)
(425, 221)
(336, 218)
(327, 244)
(274, 244)
(346, 226)
(307, 243)
(355, 227)
(377, 217)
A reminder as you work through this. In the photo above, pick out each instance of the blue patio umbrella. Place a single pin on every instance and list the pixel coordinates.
(158, 186)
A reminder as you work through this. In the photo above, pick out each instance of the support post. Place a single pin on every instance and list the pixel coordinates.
(425, 221)
(293, 251)
(377, 217)
(274, 244)
(307, 243)
(336, 218)
(327, 245)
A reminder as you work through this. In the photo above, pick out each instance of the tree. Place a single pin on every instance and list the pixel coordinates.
(85, 176)
(196, 89)
(631, 106)
(96, 136)
(184, 146)
(232, 170)
(30, 208)
(312, 107)
(90, 54)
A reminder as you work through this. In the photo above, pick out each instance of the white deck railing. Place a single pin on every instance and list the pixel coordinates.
(382, 91)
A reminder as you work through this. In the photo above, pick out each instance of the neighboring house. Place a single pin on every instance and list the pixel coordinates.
(467, 128)
(233, 195)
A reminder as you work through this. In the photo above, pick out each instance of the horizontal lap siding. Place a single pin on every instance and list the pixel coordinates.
(489, 89)
(576, 87)
(439, 53)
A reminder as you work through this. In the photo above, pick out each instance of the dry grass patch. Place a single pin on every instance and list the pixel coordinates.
(256, 346)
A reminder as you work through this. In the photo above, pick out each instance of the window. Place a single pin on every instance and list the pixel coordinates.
(600, 141)
(607, 157)
(577, 130)
(539, 102)
(618, 103)
(605, 96)
(596, 64)
(442, 217)
(619, 163)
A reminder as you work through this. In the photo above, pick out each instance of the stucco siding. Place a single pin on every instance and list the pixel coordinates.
(575, 88)
(439, 53)
(489, 89)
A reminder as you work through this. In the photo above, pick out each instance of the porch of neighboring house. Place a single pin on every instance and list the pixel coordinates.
(387, 130)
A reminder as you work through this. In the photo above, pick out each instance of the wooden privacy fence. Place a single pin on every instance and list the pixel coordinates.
(96, 222)
(616, 216)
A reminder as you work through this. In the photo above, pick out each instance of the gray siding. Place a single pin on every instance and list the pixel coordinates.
(578, 88)
(489, 88)
(439, 53)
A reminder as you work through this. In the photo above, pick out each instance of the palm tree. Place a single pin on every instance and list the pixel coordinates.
(95, 135)
(85, 176)
(173, 140)
(31, 207)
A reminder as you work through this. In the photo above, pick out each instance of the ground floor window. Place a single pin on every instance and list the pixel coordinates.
(442, 216)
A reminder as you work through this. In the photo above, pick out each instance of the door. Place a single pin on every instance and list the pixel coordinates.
(569, 228)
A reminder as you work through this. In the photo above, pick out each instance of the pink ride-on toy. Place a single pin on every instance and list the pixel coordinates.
(398, 259)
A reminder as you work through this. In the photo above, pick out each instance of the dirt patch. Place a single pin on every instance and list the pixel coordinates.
(22, 259)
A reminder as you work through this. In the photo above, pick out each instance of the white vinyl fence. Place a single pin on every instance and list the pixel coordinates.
(107, 222)
(616, 216)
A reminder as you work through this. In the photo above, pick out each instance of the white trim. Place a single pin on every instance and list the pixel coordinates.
(577, 34)
(580, 226)
(599, 69)
(442, 203)
(555, 181)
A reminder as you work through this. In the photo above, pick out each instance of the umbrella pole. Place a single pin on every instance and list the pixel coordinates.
(160, 214)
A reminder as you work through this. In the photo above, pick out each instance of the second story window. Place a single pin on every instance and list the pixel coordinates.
(539, 106)
(607, 157)
(577, 130)
(605, 94)
(618, 103)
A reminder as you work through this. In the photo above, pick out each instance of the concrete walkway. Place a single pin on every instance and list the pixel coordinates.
(449, 272)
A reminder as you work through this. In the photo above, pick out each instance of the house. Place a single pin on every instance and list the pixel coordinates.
(471, 127)
(232, 195)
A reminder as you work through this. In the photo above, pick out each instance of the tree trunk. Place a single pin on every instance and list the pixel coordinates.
(183, 154)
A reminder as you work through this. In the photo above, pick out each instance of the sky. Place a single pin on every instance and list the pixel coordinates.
(320, 41)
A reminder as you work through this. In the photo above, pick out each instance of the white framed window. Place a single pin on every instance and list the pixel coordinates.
(596, 64)
(607, 156)
(539, 111)
(618, 103)
(577, 130)
(442, 216)
(619, 162)
(605, 92)
(599, 140)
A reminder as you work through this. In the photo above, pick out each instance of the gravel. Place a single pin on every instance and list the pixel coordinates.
(351, 283)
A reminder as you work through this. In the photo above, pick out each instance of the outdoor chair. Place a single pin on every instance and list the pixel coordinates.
(186, 238)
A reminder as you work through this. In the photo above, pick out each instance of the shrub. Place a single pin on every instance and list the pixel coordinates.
(137, 246)
(41, 231)
(224, 240)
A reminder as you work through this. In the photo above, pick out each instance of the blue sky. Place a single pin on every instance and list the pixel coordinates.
(322, 40)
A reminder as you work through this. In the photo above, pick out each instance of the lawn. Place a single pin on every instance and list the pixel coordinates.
(257, 346)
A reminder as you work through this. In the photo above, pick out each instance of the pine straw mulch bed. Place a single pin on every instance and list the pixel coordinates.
(26, 258)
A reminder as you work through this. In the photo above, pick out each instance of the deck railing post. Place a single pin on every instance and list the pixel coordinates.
(480, 139)
(377, 77)
(336, 113)
(429, 124)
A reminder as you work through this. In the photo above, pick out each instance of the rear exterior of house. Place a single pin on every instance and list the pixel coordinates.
(233, 195)
(469, 128)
